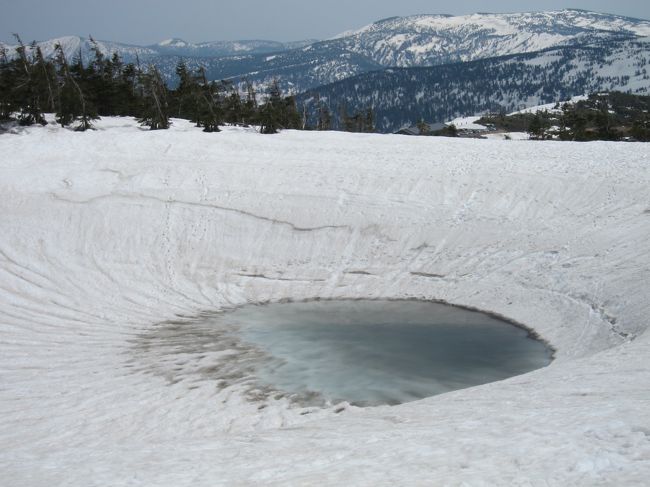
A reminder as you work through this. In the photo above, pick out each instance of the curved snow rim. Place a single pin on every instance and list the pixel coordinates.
(107, 233)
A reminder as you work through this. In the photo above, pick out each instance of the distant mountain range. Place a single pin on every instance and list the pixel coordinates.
(402, 96)
(427, 40)
(420, 40)
(72, 45)
(379, 52)
(178, 47)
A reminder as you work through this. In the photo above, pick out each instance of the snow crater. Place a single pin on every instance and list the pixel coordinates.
(111, 233)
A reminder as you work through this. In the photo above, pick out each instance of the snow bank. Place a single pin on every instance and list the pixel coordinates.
(551, 107)
(468, 123)
(111, 234)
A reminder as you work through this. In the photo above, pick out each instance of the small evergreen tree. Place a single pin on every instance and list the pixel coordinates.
(538, 127)
(423, 127)
(154, 111)
(324, 117)
(232, 104)
(270, 113)
(641, 129)
(250, 108)
(362, 121)
(369, 122)
(289, 115)
(604, 120)
(7, 104)
(185, 95)
(129, 89)
(268, 119)
(45, 78)
(209, 114)
(73, 105)
(27, 91)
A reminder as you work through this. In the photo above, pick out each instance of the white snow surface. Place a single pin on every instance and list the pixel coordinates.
(107, 234)
(550, 107)
(173, 42)
(467, 123)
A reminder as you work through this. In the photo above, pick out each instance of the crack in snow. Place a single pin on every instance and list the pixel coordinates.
(288, 279)
(171, 201)
(428, 275)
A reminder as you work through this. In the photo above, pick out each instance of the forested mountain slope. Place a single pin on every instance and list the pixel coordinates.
(402, 96)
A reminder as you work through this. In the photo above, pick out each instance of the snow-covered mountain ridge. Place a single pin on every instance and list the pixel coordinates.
(73, 45)
(403, 96)
(420, 40)
(169, 47)
(179, 47)
(427, 40)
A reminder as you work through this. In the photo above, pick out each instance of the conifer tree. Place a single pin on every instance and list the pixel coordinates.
(118, 91)
(641, 128)
(363, 121)
(26, 89)
(249, 108)
(604, 119)
(423, 127)
(324, 118)
(232, 104)
(209, 114)
(289, 115)
(369, 122)
(129, 89)
(538, 126)
(73, 103)
(98, 82)
(278, 112)
(7, 105)
(155, 114)
(268, 119)
(116, 66)
(185, 95)
(348, 123)
(45, 76)
(270, 112)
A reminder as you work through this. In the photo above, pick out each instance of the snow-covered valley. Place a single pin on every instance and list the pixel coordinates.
(111, 234)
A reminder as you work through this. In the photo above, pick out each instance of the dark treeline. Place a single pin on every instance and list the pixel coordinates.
(604, 116)
(80, 91)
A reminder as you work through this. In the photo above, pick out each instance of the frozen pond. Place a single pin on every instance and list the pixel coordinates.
(364, 352)
(383, 352)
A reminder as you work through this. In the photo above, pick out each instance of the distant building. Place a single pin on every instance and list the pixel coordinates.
(414, 130)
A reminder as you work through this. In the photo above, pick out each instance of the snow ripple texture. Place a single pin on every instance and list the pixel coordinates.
(107, 235)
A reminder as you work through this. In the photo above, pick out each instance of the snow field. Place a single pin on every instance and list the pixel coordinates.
(108, 235)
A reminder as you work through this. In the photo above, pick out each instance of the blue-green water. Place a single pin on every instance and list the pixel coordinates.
(379, 352)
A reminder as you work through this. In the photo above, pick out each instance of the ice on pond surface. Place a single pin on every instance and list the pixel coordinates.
(364, 352)
(384, 352)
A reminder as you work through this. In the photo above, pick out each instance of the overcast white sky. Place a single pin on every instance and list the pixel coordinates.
(150, 21)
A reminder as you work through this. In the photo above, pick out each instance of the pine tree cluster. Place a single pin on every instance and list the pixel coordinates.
(79, 92)
(361, 121)
(603, 116)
